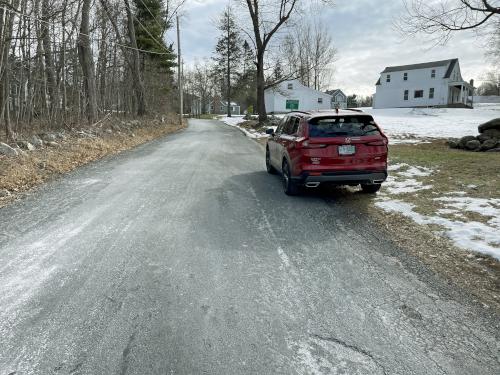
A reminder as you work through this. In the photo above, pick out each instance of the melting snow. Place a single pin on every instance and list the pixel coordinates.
(471, 235)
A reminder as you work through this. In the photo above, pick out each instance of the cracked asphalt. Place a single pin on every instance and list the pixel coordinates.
(183, 256)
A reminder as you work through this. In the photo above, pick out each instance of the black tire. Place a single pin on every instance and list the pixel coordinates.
(289, 186)
(270, 169)
(371, 189)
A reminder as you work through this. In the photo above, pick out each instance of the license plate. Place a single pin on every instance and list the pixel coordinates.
(347, 150)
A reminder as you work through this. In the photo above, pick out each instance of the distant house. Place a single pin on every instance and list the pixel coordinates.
(293, 95)
(339, 99)
(437, 84)
(216, 106)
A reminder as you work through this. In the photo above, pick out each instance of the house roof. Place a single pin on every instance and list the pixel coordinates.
(434, 64)
(335, 92)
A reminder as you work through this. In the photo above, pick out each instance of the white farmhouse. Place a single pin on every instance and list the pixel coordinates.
(339, 99)
(437, 84)
(294, 96)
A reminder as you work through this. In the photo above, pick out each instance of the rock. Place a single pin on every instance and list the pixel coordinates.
(25, 145)
(488, 145)
(36, 141)
(4, 193)
(473, 145)
(453, 143)
(492, 124)
(494, 150)
(483, 137)
(52, 144)
(109, 131)
(7, 150)
(492, 133)
(60, 135)
(463, 141)
(48, 137)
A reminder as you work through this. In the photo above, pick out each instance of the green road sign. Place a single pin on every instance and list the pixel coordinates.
(292, 104)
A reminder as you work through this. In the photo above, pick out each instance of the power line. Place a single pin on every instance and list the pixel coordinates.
(152, 15)
(86, 35)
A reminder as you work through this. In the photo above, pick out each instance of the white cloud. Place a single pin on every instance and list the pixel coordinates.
(363, 34)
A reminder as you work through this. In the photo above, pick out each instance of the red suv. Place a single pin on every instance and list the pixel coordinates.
(343, 147)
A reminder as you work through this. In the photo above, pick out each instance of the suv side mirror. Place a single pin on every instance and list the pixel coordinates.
(270, 131)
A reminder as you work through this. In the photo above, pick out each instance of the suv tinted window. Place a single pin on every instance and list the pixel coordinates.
(291, 126)
(351, 126)
(281, 125)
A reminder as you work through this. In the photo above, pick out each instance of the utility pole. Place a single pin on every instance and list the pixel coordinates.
(179, 70)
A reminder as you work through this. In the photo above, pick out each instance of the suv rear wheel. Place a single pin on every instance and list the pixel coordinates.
(371, 189)
(289, 186)
(269, 167)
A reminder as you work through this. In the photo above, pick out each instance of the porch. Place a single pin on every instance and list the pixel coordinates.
(460, 94)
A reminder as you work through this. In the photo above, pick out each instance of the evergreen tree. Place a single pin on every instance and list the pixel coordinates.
(228, 53)
(245, 88)
(150, 29)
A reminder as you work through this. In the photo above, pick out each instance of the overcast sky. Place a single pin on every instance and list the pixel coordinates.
(363, 35)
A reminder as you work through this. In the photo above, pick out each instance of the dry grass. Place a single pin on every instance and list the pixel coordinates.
(20, 174)
(454, 170)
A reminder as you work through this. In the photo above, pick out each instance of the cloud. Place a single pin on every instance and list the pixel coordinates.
(364, 35)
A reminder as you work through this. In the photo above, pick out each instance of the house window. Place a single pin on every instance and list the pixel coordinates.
(405, 77)
(290, 86)
(433, 73)
(406, 95)
(320, 100)
(388, 78)
(431, 93)
(419, 94)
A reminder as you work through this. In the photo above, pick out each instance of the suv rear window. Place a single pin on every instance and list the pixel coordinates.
(341, 126)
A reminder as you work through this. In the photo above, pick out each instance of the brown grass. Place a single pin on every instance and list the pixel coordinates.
(454, 170)
(19, 175)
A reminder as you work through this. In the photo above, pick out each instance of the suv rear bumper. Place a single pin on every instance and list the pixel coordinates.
(344, 177)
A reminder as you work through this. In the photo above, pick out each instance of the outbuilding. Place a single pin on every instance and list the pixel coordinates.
(294, 96)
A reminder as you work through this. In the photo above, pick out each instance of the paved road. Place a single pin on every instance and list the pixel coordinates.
(184, 257)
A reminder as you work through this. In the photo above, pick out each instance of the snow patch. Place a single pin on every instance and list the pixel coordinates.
(471, 235)
(236, 120)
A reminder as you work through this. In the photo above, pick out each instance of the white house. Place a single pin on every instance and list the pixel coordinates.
(437, 83)
(292, 95)
(339, 99)
(219, 107)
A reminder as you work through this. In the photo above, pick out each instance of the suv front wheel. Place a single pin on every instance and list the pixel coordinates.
(269, 167)
(289, 186)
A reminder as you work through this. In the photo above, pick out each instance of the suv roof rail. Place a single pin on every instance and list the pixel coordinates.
(303, 112)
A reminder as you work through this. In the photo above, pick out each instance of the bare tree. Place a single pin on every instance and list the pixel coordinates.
(264, 30)
(309, 54)
(267, 18)
(87, 63)
(442, 18)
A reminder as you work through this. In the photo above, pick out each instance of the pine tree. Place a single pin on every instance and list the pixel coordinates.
(151, 26)
(228, 52)
(245, 88)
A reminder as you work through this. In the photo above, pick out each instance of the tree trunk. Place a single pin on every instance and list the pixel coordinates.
(261, 85)
(87, 64)
(136, 70)
(50, 70)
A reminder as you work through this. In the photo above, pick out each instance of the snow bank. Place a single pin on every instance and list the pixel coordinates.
(420, 123)
(236, 120)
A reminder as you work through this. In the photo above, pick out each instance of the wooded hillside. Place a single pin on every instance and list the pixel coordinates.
(66, 63)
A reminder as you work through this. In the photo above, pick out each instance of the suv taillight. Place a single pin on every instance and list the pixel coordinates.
(306, 144)
(382, 142)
